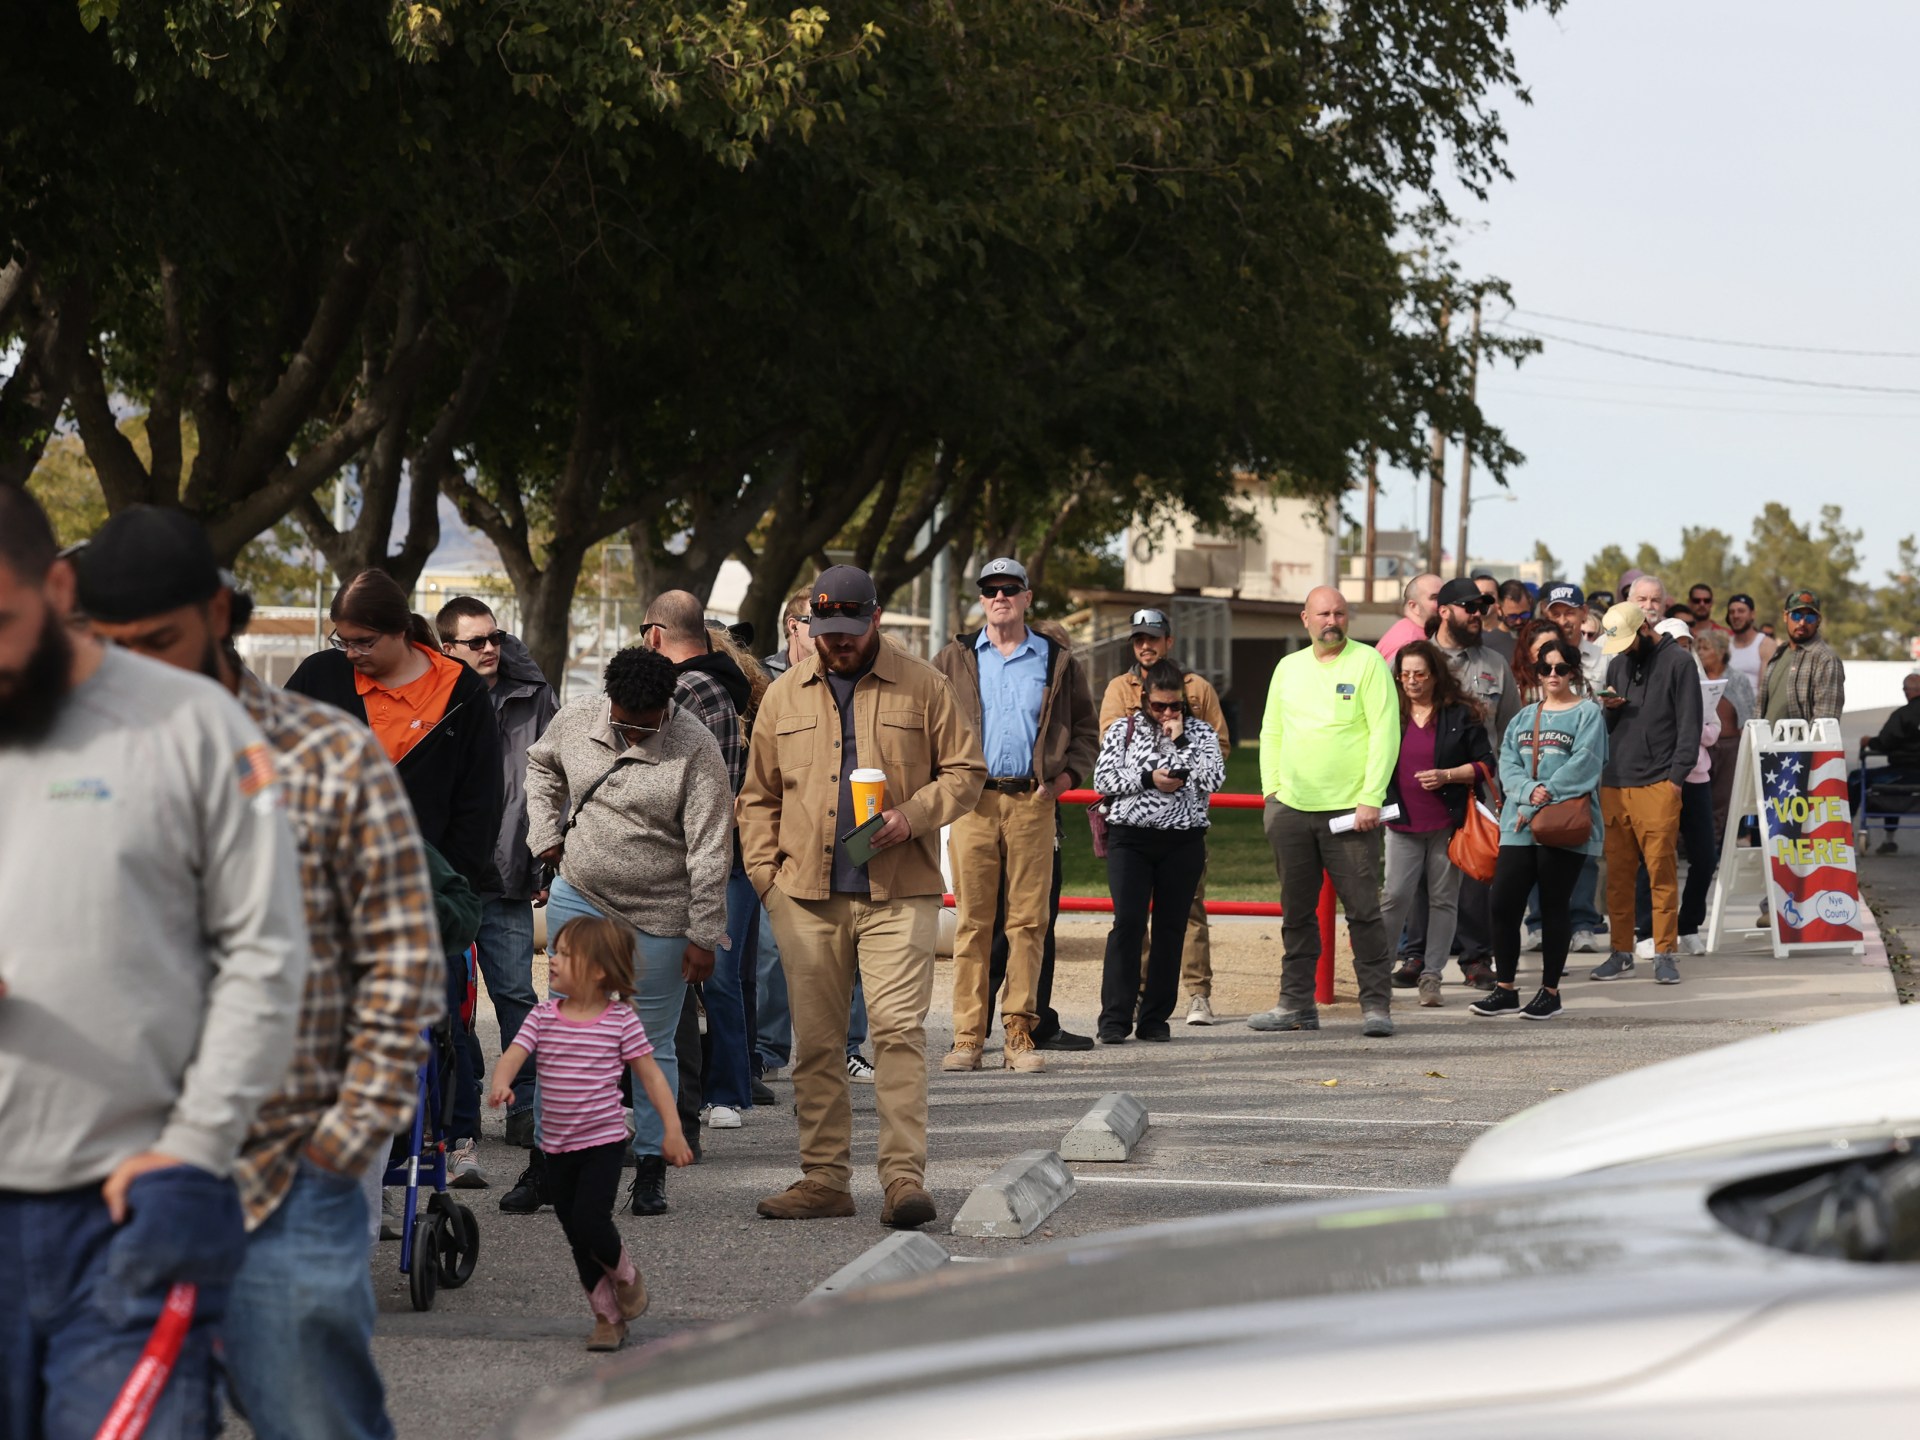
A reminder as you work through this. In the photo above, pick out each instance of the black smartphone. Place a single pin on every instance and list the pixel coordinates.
(1180, 775)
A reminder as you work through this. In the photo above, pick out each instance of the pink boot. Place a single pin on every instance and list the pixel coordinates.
(609, 1330)
(629, 1290)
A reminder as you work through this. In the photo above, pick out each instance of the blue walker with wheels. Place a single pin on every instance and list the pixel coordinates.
(440, 1240)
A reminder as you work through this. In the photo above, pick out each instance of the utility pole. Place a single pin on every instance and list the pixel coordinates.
(1373, 499)
(1466, 446)
(1437, 465)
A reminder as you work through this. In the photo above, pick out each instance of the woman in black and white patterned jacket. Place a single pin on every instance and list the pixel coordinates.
(1158, 766)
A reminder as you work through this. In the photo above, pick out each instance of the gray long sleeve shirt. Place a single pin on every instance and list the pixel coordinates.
(154, 945)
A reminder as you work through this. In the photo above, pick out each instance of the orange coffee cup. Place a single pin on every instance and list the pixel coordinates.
(869, 794)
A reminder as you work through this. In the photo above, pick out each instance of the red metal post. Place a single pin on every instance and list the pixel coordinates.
(1323, 981)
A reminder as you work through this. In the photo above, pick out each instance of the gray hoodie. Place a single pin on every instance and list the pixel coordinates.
(1655, 736)
(525, 704)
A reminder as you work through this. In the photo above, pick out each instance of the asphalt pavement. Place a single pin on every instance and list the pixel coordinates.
(1239, 1119)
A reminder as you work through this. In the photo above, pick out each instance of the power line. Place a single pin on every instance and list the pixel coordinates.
(1710, 369)
(1734, 344)
(1665, 387)
(1631, 403)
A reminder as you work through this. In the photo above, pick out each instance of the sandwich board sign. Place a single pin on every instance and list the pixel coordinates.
(1794, 775)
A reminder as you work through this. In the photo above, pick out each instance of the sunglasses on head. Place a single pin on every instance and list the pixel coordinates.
(1555, 667)
(841, 610)
(1000, 592)
(481, 642)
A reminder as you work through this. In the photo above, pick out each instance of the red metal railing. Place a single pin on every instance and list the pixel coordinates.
(1103, 905)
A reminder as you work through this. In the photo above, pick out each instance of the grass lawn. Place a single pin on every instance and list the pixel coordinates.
(1239, 861)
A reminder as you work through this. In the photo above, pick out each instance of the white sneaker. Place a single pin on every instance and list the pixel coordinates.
(1693, 944)
(722, 1117)
(1200, 1011)
(463, 1167)
(1585, 942)
(1531, 942)
(1644, 950)
(859, 1070)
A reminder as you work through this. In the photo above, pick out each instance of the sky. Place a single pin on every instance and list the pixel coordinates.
(1736, 171)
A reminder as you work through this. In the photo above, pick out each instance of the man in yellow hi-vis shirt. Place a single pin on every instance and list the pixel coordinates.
(1328, 743)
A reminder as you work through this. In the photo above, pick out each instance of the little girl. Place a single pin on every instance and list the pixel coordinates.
(583, 1038)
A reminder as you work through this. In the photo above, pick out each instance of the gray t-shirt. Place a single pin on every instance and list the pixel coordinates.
(848, 878)
(155, 942)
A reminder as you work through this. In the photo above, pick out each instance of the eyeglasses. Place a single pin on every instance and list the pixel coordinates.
(353, 647)
(1802, 616)
(841, 610)
(1555, 668)
(1000, 592)
(1170, 707)
(481, 642)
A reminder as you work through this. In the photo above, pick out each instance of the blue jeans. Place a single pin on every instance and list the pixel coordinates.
(506, 963)
(726, 1078)
(299, 1334)
(660, 991)
(773, 1040)
(68, 1341)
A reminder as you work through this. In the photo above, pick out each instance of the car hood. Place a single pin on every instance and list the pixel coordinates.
(1856, 1078)
(1299, 1315)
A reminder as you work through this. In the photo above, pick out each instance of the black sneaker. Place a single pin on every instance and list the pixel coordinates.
(1110, 1035)
(648, 1194)
(1064, 1040)
(762, 1093)
(1409, 973)
(1152, 1032)
(1501, 1001)
(1543, 1006)
(529, 1192)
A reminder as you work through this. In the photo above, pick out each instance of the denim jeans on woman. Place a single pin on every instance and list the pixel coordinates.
(660, 989)
(727, 994)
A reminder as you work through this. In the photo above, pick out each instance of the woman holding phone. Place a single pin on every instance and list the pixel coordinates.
(1157, 766)
(1554, 751)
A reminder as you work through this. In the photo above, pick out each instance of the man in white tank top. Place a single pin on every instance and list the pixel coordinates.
(1750, 650)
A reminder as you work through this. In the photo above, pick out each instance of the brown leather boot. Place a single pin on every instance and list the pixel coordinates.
(908, 1205)
(607, 1335)
(807, 1200)
(629, 1290)
(1020, 1052)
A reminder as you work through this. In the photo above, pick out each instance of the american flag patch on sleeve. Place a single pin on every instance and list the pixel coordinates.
(256, 769)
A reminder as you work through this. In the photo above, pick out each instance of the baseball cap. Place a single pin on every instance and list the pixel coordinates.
(1802, 600)
(1740, 597)
(1675, 628)
(1621, 627)
(1005, 568)
(1460, 592)
(1562, 592)
(842, 602)
(146, 561)
(1151, 622)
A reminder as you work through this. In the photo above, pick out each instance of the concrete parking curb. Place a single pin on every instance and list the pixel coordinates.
(905, 1253)
(1011, 1202)
(1108, 1132)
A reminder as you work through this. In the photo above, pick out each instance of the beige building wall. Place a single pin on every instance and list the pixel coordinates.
(1289, 554)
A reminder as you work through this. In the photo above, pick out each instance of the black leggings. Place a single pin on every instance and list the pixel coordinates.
(583, 1185)
(1162, 867)
(1520, 868)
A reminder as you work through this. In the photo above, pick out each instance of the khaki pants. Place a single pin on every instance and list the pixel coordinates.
(823, 944)
(1196, 960)
(1643, 826)
(1010, 836)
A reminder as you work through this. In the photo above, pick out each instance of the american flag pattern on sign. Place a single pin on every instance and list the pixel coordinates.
(1809, 839)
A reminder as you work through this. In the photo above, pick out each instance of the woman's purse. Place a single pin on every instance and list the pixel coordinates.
(1097, 812)
(1564, 824)
(1475, 846)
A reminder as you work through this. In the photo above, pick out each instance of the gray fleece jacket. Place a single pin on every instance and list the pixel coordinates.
(1655, 736)
(653, 845)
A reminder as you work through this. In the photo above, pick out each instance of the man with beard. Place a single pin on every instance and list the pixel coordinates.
(1805, 679)
(1328, 743)
(859, 702)
(150, 974)
(1653, 744)
(299, 1344)
(1418, 602)
(1748, 651)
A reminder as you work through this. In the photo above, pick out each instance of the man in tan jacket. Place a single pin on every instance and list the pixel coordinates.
(859, 702)
(1152, 642)
(1028, 697)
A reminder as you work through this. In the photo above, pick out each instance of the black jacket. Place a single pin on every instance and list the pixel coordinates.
(452, 775)
(1458, 739)
(1899, 738)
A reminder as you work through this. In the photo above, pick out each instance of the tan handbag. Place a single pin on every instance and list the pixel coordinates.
(1564, 824)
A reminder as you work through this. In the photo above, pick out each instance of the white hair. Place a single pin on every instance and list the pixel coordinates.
(1648, 580)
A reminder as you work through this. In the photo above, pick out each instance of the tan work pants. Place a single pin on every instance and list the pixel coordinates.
(1643, 828)
(1196, 958)
(1010, 836)
(823, 943)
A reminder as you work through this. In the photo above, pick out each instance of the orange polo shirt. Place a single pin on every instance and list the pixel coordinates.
(402, 718)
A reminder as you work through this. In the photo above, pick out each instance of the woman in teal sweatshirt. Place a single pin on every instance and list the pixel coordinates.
(1554, 750)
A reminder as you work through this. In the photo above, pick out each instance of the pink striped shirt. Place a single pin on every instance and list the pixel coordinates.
(580, 1063)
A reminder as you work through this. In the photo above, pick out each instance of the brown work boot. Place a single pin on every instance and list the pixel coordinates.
(908, 1205)
(1020, 1052)
(607, 1335)
(962, 1057)
(807, 1200)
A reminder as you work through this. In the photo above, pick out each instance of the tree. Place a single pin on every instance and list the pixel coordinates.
(1605, 569)
(1548, 562)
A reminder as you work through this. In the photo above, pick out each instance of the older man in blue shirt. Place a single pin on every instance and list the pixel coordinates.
(1033, 705)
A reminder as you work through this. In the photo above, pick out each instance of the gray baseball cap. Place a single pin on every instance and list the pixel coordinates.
(1004, 568)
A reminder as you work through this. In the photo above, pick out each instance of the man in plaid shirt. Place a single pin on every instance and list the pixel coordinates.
(300, 1323)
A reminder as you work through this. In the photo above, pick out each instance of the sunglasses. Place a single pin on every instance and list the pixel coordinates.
(841, 610)
(633, 732)
(1555, 668)
(353, 647)
(1474, 607)
(1407, 677)
(481, 642)
(1000, 592)
(1803, 615)
(1700, 599)
(1170, 707)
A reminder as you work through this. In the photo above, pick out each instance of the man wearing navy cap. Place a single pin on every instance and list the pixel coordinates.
(1566, 607)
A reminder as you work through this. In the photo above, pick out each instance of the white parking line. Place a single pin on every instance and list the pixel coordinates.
(1322, 1120)
(1080, 1178)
